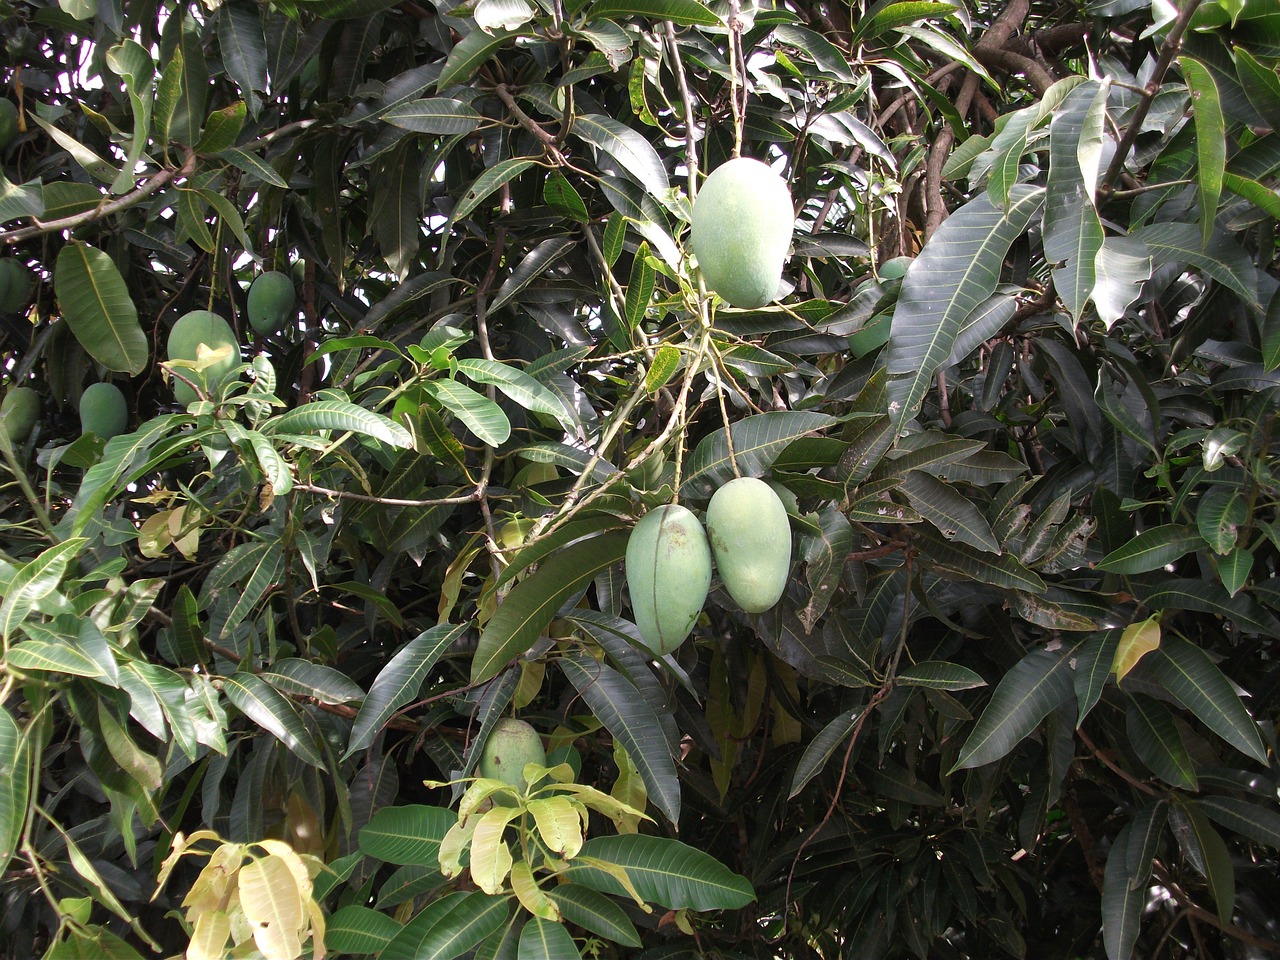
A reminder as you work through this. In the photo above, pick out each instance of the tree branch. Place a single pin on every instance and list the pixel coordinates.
(1172, 44)
(140, 193)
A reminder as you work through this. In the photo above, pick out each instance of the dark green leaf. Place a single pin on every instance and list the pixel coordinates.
(533, 603)
(96, 305)
(663, 871)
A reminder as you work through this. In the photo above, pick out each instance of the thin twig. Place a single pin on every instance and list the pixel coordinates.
(1168, 50)
(690, 130)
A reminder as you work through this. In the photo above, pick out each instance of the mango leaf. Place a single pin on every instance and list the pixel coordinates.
(685, 13)
(501, 172)
(439, 115)
(999, 570)
(24, 200)
(295, 677)
(663, 871)
(533, 603)
(1261, 85)
(940, 675)
(757, 442)
(1028, 693)
(954, 514)
(1222, 258)
(35, 580)
(956, 271)
(1073, 232)
(1211, 140)
(626, 715)
(343, 9)
(633, 152)
(466, 58)
(594, 912)
(1195, 681)
(481, 415)
(273, 905)
(244, 51)
(1252, 820)
(359, 930)
(399, 682)
(406, 834)
(97, 307)
(448, 927)
(1121, 267)
(1207, 851)
(340, 415)
(1123, 898)
(820, 748)
(546, 940)
(1152, 549)
(261, 703)
(15, 785)
(1155, 739)
(1137, 640)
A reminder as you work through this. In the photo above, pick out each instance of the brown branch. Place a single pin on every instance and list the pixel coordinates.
(526, 121)
(140, 193)
(1168, 50)
(1039, 78)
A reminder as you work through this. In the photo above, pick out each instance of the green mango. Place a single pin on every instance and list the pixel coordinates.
(200, 327)
(19, 412)
(272, 301)
(15, 283)
(668, 574)
(751, 539)
(512, 743)
(742, 225)
(103, 411)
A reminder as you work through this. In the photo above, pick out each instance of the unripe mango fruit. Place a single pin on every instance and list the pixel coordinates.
(751, 539)
(103, 411)
(742, 225)
(512, 743)
(668, 574)
(15, 283)
(271, 301)
(19, 412)
(185, 338)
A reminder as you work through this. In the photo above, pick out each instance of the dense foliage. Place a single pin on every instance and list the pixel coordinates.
(1019, 392)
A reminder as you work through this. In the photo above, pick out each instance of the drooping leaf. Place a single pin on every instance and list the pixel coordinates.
(1211, 140)
(955, 272)
(399, 681)
(262, 704)
(594, 912)
(626, 714)
(98, 309)
(1032, 688)
(533, 603)
(1195, 681)
(15, 784)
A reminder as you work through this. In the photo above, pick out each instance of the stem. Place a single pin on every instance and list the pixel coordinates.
(107, 209)
(690, 140)
(1168, 50)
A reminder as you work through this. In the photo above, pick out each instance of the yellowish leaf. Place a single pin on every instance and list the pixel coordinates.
(558, 824)
(629, 788)
(209, 892)
(530, 894)
(273, 904)
(209, 938)
(454, 844)
(1136, 642)
(299, 869)
(490, 855)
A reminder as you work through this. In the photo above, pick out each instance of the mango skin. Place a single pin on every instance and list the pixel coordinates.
(751, 539)
(742, 226)
(103, 411)
(668, 573)
(271, 301)
(188, 332)
(19, 412)
(15, 284)
(512, 743)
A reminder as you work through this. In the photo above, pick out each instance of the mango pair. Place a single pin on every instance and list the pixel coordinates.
(669, 559)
